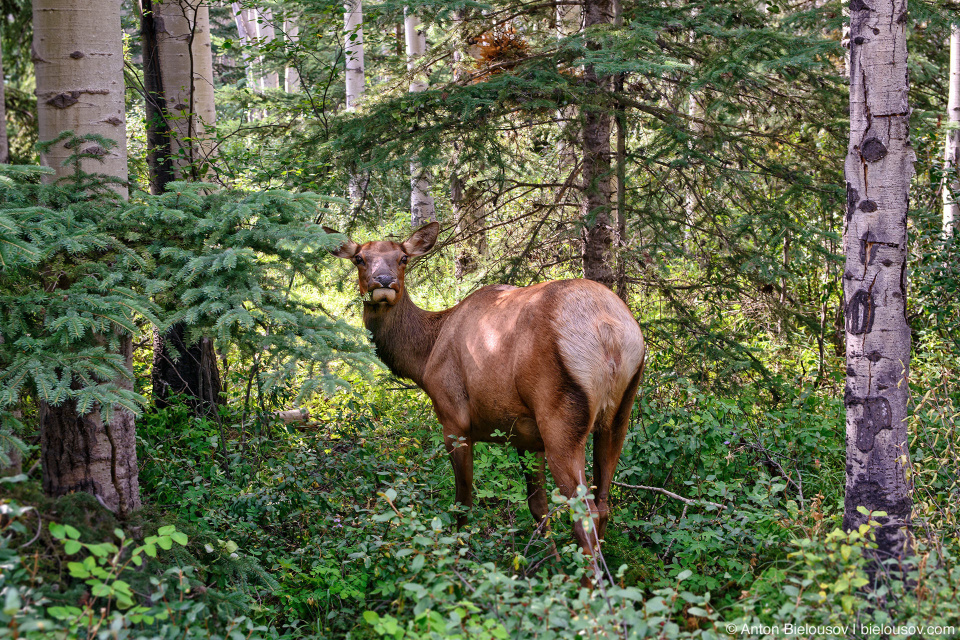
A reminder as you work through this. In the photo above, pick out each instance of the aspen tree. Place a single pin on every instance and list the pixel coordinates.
(80, 88)
(878, 169)
(422, 208)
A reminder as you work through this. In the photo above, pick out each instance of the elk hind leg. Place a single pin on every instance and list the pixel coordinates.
(607, 445)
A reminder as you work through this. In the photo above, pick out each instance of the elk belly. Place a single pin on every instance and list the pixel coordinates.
(383, 294)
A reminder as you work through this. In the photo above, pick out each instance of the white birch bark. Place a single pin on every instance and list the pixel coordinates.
(78, 58)
(291, 76)
(265, 32)
(878, 169)
(422, 208)
(951, 150)
(244, 31)
(353, 51)
(80, 81)
(186, 64)
(355, 83)
(4, 143)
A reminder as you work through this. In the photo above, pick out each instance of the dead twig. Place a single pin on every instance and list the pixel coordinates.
(669, 494)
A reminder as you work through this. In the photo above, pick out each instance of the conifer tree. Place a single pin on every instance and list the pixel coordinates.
(596, 127)
(178, 73)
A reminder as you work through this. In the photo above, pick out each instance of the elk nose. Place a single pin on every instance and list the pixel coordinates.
(385, 280)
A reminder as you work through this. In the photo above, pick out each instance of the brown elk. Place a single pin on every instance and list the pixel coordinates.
(546, 365)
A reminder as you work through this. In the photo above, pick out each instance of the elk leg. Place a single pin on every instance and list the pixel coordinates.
(607, 445)
(461, 457)
(535, 475)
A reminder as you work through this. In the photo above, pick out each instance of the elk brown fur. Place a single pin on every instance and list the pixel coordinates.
(546, 365)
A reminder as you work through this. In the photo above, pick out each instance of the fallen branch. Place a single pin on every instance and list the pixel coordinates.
(293, 415)
(669, 494)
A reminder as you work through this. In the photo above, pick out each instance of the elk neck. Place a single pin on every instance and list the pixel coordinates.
(404, 335)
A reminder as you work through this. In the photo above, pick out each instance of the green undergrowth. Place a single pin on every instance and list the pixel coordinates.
(343, 527)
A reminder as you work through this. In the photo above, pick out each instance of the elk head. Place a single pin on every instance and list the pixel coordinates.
(381, 263)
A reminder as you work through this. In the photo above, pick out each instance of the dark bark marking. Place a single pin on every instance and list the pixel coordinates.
(858, 5)
(853, 197)
(95, 150)
(860, 312)
(874, 418)
(868, 206)
(872, 150)
(851, 372)
(76, 55)
(868, 249)
(114, 120)
(874, 356)
(859, 40)
(64, 100)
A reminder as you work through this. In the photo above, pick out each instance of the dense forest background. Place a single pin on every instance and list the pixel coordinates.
(279, 483)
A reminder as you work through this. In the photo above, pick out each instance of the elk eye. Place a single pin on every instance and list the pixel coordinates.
(358, 261)
(403, 260)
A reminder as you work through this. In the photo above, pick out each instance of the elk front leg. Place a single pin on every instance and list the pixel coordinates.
(460, 449)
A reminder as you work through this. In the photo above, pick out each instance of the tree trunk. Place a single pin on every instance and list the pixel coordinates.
(194, 374)
(874, 279)
(951, 151)
(178, 75)
(422, 209)
(80, 88)
(80, 82)
(185, 61)
(355, 84)
(4, 143)
(83, 453)
(621, 164)
(265, 32)
(595, 205)
(291, 74)
(245, 32)
(353, 51)
(465, 198)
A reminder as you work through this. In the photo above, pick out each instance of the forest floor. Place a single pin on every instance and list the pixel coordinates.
(344, 527)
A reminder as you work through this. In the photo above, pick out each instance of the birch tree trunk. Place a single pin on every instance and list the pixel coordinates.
(266, 32)
(595, 208)
(878, 169)
(80, 88)
(422, 209)
(245, 32)
(185, 62)
(178, 76)
(355, 84)
(80, 81)
(951, 151)
(4, 143)
(291, 75)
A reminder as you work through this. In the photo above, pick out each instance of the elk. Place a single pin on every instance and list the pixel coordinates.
(540, 367)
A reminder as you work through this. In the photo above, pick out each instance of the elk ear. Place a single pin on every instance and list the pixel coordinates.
(422, 240)
(346, 250)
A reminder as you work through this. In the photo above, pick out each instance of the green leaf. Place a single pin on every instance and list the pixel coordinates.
(57, 531)
(70, 547)
(77, 570)
(372, 617)
(179, 537)
(167, 530)
(73, 533)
